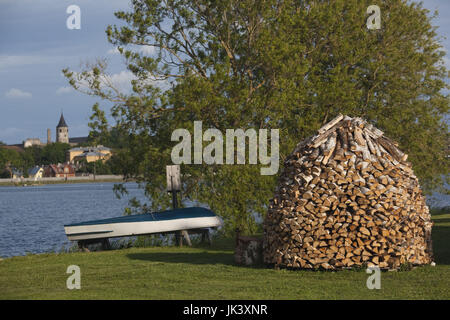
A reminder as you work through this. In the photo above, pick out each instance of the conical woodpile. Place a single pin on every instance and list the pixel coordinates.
(347, 197)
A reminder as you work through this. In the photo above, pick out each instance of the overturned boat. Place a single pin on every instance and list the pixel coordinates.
(142, 224)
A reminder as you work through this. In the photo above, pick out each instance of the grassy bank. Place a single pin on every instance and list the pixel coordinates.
(209, 273)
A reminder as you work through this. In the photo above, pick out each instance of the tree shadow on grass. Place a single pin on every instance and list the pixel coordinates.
(441, 240)
(184, 257)
(196, 258)
(217, 245)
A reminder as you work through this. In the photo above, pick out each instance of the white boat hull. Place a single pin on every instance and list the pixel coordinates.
(160, 222)
(112, 230)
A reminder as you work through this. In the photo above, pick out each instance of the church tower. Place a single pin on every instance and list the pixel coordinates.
(62, 131)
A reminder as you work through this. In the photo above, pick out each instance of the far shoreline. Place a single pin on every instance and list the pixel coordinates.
(49, 181)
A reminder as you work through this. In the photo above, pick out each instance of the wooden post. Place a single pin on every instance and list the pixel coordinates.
(105, 244)
(206, 236)
(174, 195)
(174, 186)
(178, 234)
(186, 238)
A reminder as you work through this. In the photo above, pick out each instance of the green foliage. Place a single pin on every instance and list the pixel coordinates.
(54, 153)
(33, 156)
(10, 160)
(99, 126)
(99, 167)
(288, 65)
(50, 154)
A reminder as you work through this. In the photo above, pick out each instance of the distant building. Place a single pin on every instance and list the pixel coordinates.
(62, 136)
(49, 136)
(17, 174)
(77, 140)
(33, 142)
(62, 131)
(90, 154)
(36, 173)
(65, 170)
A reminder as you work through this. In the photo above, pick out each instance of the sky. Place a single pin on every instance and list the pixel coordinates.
(35, 45)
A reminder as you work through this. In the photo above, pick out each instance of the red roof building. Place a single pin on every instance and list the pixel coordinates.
(59, 171)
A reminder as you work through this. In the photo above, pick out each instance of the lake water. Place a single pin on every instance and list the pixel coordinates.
(32, 218)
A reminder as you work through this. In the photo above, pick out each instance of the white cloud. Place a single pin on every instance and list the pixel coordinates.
(120, 81)
(113, 51)
(123, 79)
(63, 90)
(146, 50)
(17, 93)
(15, 61)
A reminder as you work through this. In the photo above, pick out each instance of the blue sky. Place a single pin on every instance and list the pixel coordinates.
(35, 45)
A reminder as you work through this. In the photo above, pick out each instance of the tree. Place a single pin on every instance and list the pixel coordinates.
(9, 160)
(98, 167)
(54, 153)
(288, 65)
(33, 156)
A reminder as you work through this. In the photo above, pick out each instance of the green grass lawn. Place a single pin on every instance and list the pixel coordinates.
(209, 273)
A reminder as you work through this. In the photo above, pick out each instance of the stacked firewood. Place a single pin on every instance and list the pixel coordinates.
(347, 197)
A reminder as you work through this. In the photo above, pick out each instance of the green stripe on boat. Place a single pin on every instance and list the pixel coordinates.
(88, 233)
(183, 213)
